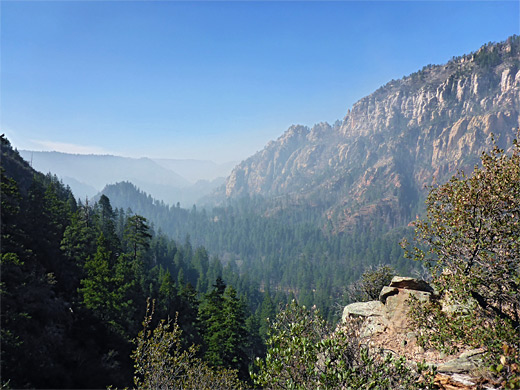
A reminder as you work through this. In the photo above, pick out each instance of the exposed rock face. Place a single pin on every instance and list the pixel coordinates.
(466, 362)
(364, 309)
(386, 292)
(377, 160)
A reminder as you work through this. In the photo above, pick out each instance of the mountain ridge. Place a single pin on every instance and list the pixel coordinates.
(393, 142)
(87, 175)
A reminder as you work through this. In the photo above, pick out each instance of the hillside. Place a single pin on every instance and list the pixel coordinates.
(377, 161)
(89, 174)
(336, 200)
(75, 282)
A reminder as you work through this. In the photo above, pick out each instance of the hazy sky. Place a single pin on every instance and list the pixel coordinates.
(214, 80)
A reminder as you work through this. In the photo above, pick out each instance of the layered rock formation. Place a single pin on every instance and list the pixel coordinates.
(377, 160)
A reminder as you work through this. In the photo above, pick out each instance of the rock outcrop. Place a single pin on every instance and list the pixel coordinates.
(389, 314)
(377, 160)
(386, 326)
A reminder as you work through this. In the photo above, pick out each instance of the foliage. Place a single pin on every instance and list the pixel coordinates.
(161, 363)
(74, 281)
(508, 367)
(137, 237)
(368, 287)
(303, 353)
(222, 317)
(298, 255)
(43, 328)
(105, 286)
(470, 239)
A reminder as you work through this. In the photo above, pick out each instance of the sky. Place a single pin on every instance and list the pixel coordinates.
(213, 80)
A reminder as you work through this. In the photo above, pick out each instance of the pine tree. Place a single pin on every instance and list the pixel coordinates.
(107, 223)
(222, 316)
(266, 313)
(104, 288)
(137, 237)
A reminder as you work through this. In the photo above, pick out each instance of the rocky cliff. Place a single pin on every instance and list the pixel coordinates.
(392, 143)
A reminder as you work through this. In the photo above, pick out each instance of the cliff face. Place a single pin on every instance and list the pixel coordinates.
(393, 142)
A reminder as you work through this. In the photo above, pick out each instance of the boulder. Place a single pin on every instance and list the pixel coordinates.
(387, 292)
(363, 309)
(397, 307)
(399, 303)
(465, 363)
(410, 284)
(456, 382)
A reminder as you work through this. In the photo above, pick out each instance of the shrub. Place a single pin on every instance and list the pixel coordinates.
(368, 287)
(470, 240)
(160, 362)
(303, 353)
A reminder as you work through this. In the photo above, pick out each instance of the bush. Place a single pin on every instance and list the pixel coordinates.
(160, 362)
(303, 353)
(470, 240)
(368, 287)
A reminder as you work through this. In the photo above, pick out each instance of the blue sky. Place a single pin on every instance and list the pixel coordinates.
(213, 80)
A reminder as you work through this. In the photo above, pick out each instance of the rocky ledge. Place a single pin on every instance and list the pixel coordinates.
(386, 326)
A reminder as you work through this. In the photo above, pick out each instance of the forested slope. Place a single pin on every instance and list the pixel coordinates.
(288, 253)
(75, 281)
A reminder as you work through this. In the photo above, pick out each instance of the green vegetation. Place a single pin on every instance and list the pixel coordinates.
(160, 362)
(75, 281)
(368, 287)
(488, 56)
(470, 239)
(290, 252)
(304, 353)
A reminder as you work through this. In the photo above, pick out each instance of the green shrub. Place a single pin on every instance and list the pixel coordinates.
(161, 363)
(368, 287)
(303, 353)
(470, 241)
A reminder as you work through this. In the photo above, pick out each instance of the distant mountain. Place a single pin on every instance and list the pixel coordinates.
(87, 175)
(376, 162)
(198, 170)
(79, 189)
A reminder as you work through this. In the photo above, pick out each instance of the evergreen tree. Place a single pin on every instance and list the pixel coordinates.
(137, 241)
(107, 224)
(266, 313)
(234, 341)
(79, 239)
(222, 317)
(137, 237)
(104, 289)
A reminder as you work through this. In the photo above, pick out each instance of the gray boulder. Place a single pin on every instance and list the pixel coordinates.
(411, 284)
(465, 363)
(363, 309)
